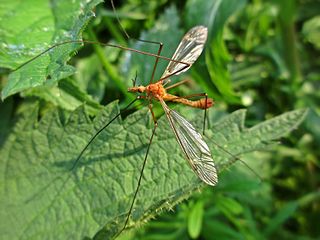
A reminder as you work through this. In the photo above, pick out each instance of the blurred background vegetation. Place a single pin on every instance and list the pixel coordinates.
(260, 55)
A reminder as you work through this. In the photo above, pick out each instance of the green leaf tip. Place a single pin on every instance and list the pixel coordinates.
(233, 136)
(43, 198)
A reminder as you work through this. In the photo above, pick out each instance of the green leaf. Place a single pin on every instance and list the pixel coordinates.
(285, 212)
(6, 110)
(195, 220)
(220, 230)
(43, 198)
(229, 205)
(25, 34)
(67, 95)
(232, 135)
(93, 79)
(311, 31)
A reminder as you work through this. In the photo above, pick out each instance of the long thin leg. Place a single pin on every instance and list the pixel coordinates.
(236, 158)
(205, 115)
(156, 63)
(205, 110)
(97, 133)
(124, 30)
(107, 45)
(219, 146)
(178, 84)
(112, 45)
(118, 19)
(141, 174)
(152, 42)
(79, 157)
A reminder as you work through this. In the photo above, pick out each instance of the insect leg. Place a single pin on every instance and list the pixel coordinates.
(178, 84)
(98, 132)
(198, 104)
(141, 173)
(235, 158)
(205, 109)
(205, 115)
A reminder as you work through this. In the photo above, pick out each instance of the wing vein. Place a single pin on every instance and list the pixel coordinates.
(195, 149)
(188, 50)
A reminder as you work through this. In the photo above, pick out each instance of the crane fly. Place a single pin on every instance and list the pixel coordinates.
(195, 149)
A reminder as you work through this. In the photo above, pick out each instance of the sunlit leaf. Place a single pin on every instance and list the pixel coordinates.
(30, 27)
(43, 198)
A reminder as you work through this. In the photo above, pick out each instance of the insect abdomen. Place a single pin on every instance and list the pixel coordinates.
(201, 103)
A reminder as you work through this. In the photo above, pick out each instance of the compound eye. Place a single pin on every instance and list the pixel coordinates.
(140, 89)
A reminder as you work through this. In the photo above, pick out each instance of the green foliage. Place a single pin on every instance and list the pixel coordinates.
(195, 220)
(38, 157)
(311, 31)
(30, 27)
(262, 55)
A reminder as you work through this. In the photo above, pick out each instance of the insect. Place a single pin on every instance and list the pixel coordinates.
(191, 142)
(194, 148)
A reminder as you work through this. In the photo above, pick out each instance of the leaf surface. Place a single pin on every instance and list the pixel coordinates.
(41, 197)
(30, 27)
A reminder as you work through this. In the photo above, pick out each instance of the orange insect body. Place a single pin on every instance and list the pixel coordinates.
(157, 91)
(201, 103)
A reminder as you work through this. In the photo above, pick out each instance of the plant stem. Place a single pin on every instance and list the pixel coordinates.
(289, 40)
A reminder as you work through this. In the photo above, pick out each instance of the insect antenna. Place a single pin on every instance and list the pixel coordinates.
(124, 30)
(134, 80)
(137, 39)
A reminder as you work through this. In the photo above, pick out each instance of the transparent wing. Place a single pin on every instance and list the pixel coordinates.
(188, 50)
(194, 147)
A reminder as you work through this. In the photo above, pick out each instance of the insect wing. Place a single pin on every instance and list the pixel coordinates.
(188, 51)
(194, 147)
